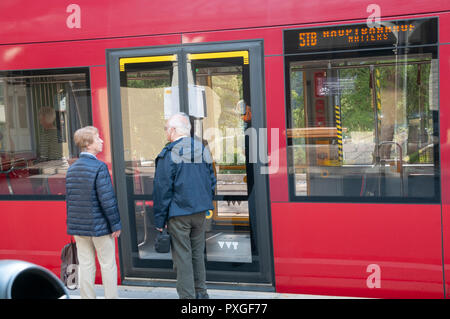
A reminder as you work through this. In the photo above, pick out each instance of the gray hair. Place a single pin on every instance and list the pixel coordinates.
(180, 122)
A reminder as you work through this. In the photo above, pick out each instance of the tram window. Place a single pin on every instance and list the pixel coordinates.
(364, 129)
(39, 112)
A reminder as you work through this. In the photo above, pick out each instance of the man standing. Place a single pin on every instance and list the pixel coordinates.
(183, 191)
(92, 214)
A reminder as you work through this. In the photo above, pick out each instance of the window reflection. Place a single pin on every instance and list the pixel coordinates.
(364, 127)
(149, 94)
(39, 112)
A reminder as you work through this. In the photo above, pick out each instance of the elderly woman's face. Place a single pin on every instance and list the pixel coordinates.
(96, 146)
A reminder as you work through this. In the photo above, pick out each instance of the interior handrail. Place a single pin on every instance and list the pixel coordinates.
(400, 162)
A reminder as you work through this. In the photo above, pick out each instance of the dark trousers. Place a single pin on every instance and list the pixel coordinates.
(187, 235)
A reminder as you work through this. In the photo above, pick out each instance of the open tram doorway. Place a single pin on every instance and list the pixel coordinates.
(220, 88)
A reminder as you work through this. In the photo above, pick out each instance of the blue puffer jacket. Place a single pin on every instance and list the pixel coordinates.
(91, 203)
(184, 180)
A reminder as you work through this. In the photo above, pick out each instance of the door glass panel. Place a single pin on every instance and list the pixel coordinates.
(149, 94)
(219, 105)
(148, 90)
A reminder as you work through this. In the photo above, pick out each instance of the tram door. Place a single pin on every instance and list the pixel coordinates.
(214, 89)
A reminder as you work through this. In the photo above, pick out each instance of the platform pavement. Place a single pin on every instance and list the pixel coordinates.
(138, 292)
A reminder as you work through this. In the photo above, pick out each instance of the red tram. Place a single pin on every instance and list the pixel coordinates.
(327, 122)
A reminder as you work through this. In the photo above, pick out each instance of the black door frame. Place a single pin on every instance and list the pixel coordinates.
(259, 196)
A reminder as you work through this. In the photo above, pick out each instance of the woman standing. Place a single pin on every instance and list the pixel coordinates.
(92, 214)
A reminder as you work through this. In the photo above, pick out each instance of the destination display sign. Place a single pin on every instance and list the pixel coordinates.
(358, 36)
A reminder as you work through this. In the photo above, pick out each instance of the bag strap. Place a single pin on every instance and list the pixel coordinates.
(74, 249)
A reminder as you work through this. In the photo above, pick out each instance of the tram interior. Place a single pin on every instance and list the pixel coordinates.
(364, 127)
(38, 115)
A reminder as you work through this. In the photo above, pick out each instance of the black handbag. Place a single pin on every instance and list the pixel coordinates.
(69, 265)
(162, 242)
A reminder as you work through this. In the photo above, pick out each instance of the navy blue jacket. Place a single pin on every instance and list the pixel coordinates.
(91, 203)
(184, 180)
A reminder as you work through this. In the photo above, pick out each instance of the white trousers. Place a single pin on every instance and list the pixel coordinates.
(106, 254)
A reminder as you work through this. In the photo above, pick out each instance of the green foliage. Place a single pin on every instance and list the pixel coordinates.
(356, 105)
(148, 83)
(404, 115)
(297, 99)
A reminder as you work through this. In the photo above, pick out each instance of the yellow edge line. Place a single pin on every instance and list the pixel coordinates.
(219, 55)
(161, 58)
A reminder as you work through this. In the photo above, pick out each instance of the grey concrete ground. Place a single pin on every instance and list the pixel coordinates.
(133, 292)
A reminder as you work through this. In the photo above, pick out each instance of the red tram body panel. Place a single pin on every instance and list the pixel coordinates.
(317, 239)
